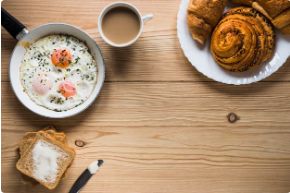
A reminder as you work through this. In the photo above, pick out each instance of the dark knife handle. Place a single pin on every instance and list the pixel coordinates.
(81, 181)
(12, 25)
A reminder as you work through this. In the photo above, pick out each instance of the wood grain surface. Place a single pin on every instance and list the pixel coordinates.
(159, 125)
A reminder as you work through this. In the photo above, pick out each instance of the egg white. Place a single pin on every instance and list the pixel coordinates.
(82, 70)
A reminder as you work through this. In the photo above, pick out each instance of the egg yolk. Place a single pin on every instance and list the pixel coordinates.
(42, 83)
(67, 88)
(61, 57)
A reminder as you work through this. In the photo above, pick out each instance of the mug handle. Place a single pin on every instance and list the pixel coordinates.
(147, 17)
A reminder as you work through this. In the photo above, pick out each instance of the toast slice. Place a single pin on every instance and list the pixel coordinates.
(17, 152)
(52, 133)
(55, 158)
(27, 140)
(29, 136)
(23, 146)
(50, 127)
(27, 180)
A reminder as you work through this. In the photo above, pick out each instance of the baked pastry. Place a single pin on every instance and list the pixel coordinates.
(274, 7)
(282, 20)
(286, 30)
(203, 16)
(259, 8)
(242, 40)
(243, 2)
(277, 11)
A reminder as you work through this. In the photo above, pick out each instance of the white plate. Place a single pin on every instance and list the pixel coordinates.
(201, 58)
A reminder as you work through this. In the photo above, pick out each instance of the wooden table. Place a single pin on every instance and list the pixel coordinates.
(159, 125)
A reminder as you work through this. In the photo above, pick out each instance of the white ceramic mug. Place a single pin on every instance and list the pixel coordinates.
(127, 5)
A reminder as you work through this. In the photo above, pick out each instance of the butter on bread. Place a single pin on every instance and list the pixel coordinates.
(27, 140)
(25, 143)
(26, 163)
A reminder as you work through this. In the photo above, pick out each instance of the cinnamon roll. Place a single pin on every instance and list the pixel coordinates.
(242, 39)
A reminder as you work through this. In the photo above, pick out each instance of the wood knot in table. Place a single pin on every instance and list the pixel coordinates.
(80, 143)
(232, 117)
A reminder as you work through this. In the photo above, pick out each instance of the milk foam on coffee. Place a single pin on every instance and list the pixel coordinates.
(45, 161)
(121, 25)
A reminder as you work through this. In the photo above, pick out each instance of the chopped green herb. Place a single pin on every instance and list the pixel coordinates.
(77, 59)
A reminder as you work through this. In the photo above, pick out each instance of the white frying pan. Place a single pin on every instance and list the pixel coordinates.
(18, 31)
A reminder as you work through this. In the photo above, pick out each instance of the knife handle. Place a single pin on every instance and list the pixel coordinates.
(81, 181)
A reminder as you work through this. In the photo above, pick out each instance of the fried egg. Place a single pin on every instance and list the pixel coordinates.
(58, 72)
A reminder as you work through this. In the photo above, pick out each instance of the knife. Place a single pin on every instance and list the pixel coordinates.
(85, 176)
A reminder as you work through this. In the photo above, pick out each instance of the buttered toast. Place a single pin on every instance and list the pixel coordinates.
(46, 160)
(27, 140)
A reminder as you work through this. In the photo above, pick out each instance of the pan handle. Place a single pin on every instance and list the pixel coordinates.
(16, 29)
